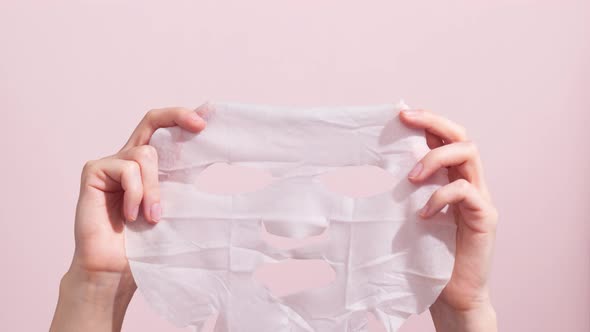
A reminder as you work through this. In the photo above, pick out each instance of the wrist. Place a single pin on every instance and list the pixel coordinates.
(480, 317)
(92, 301)
(103, 289)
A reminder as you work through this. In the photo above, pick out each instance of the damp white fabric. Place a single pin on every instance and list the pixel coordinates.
(200, 258)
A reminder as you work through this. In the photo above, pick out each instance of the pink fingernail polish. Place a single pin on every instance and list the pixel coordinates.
(156, 211)
(416, 170)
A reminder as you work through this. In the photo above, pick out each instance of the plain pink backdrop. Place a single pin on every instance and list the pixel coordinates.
(77, 76)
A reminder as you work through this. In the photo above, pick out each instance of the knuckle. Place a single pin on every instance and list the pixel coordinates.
(461, 132)
(131, 168)
(472, 147)
(462, 185)
(89, 168)
(149, 115)
(146, 152)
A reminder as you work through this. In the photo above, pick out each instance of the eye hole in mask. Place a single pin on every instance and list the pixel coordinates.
(358, 181)
(352, 181)
(287, 243)
(222, 178)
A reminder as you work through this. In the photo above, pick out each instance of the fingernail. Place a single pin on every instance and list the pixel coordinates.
(156, 211)
(195, 117)
(411, 112)
(424, 211)
(205, 111)
(416, 170)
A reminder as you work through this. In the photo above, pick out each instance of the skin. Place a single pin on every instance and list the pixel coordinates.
(97, 288)
(464, 304)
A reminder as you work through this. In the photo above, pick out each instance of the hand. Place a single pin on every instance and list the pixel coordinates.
(464, 304)
(98, 285)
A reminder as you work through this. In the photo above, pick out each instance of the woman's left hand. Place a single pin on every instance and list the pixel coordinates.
(464, 304)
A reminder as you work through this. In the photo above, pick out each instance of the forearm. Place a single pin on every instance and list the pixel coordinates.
(480, 319)
(92, 303)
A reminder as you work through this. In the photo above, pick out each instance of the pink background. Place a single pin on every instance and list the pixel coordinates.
(77, 76)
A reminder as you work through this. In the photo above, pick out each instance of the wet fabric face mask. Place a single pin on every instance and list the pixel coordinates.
(200, 258)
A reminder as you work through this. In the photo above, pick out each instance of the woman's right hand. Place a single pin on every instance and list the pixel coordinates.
(95, 291)
(113, 189)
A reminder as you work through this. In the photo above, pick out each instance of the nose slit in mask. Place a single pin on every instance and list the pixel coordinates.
(294, 276)
(291, 242)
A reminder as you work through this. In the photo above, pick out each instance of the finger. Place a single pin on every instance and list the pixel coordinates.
(163, 118)
(433, 141)
(474, 208)
(445, 129)
(146, 157)
(463, 155)
(111, 171)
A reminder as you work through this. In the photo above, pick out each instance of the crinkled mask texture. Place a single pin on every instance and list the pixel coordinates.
(200, 258)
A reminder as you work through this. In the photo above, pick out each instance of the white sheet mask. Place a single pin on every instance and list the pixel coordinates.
(199, 260)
